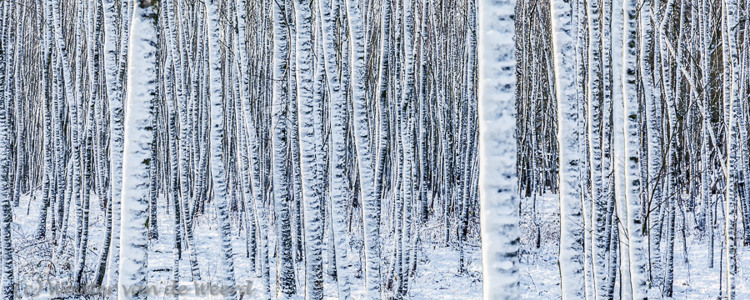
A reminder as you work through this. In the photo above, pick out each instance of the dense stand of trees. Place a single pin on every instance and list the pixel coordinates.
(327, 130)
(336, 140)
(652, 130)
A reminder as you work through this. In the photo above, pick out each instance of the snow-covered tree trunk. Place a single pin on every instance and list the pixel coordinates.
(48, 191)
(672, 189)
(184, 196)
(139, 131)
(705, 40)
(258, 202)
(471, 46)
(339, 191)
(243, 93)
(93, 26)
(382, 96)
(652, 99)
(360, 115)
(6, 211)
(113, 65)
(311, 196)
(608, 183)
(594, 110)
(633, 181)
(424, 167)
(285, 270)
(257, 194)
(296, 207)
(498, 195)
(730, 13)
(220, 197)
(153, 224)
(571, 236)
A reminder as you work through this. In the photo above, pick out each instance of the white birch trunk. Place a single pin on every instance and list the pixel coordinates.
(285, 269)
(498, 193)
(138, 137)
(571, 236)
(311, 196)
(633, 181)
(220, 197)
(360, 115)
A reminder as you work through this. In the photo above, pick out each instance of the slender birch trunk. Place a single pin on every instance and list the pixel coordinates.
(285, 265)
(571, 237)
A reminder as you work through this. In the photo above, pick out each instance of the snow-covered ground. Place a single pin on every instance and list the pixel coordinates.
(436, 271)
(540, 277)
(436, 277)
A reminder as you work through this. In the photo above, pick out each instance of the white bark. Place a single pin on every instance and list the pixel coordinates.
(498, 194)
(138, 137)
(311, 197)
(218, 173)
(370, 205)
(337, 111)
(571, 236)
(285, 269)
(633, 181)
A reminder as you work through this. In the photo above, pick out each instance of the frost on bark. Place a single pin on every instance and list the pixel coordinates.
(360, 115)
(218, 173)
(311, 194)
(571, 235)
(6, 210)
(633, 181)
(498, 195)
(139, 132)
(594, 109)
(257, 202)
(113, 62)
(339, 189)
(285, 263)
(731, 13)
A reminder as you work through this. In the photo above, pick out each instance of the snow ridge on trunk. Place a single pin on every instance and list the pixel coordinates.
(139, 132)
(498, 195)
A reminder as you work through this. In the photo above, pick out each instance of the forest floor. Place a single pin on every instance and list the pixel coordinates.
(540, 277)
(436, 271)
(436, 274)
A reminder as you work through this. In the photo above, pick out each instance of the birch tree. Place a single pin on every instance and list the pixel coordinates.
(312, 199)
(285, 265)
(571, 235)
(497, 173)
(138, 136)
(633, 181)
(217, 155)
(6, 213)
